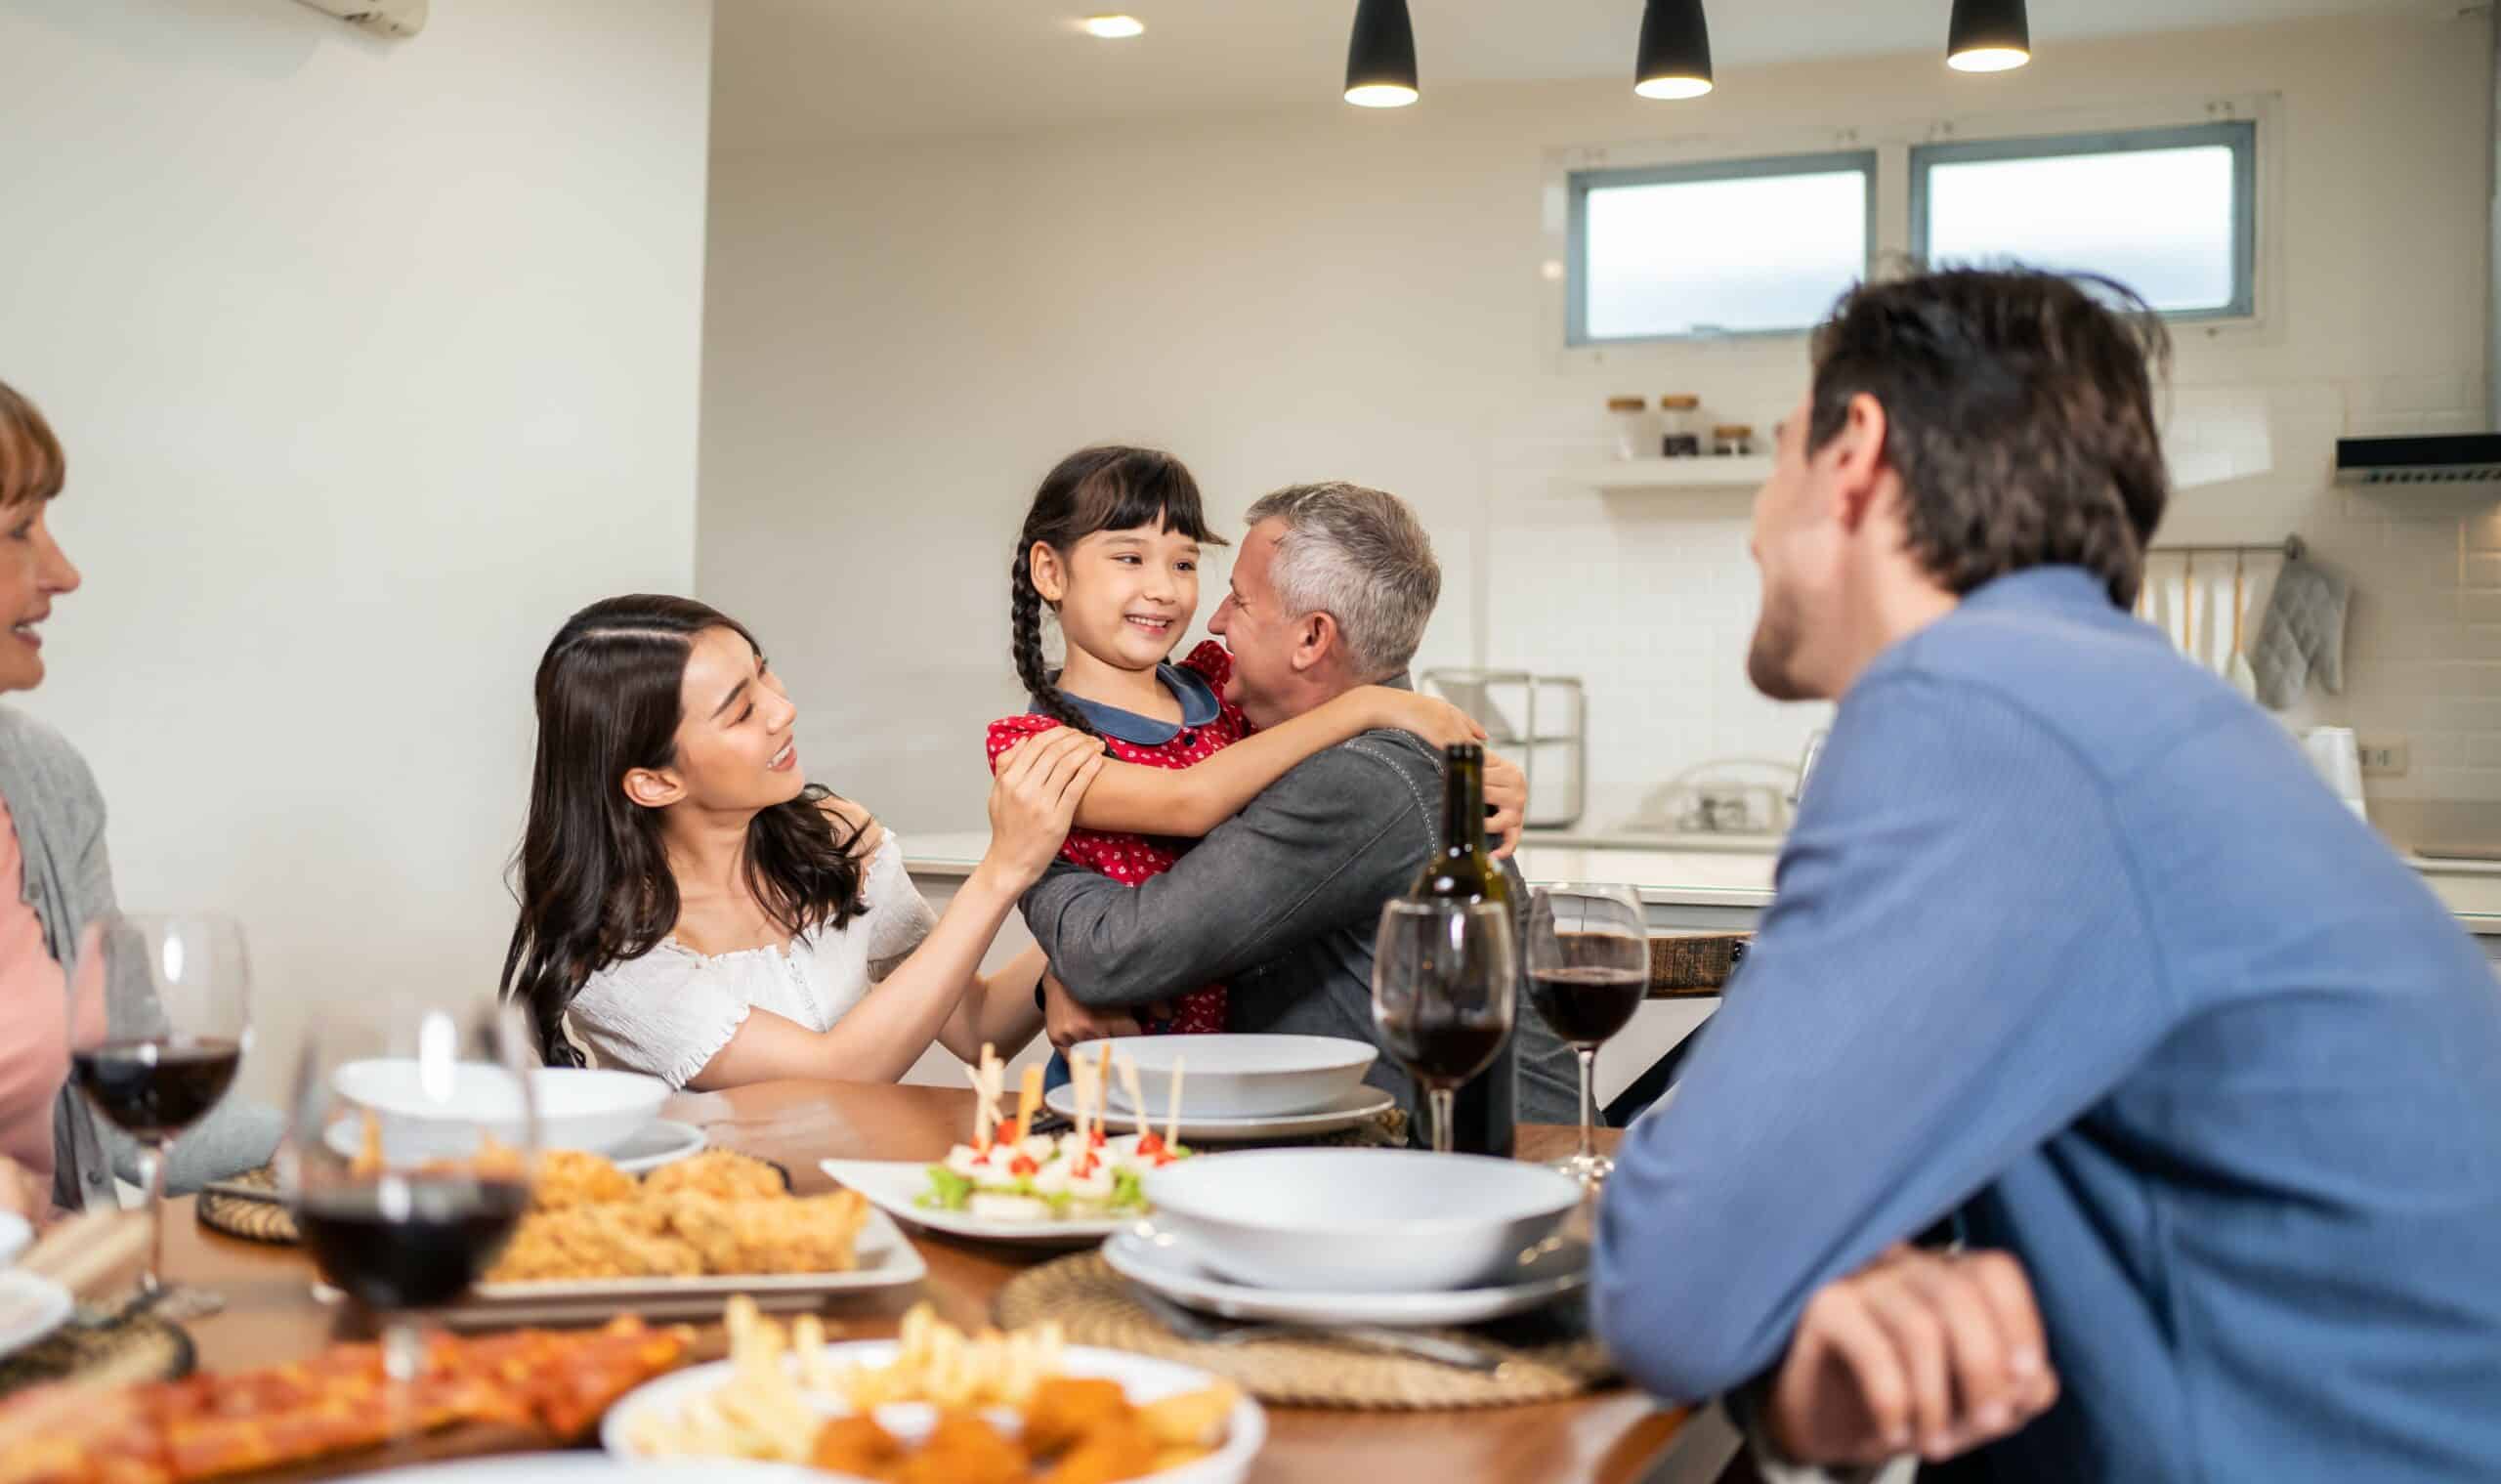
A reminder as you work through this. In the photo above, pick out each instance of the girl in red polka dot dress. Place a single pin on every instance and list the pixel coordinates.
(1111, 546)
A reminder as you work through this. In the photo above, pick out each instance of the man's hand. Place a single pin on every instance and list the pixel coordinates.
(1505, 804)
(1065, 1022)
(1929, 1352)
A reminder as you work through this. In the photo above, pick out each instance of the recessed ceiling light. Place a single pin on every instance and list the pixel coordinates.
(1113, 27)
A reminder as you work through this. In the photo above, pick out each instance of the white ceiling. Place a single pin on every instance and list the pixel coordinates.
(792, 70)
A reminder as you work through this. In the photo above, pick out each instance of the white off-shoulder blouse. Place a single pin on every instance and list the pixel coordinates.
(671, 1012)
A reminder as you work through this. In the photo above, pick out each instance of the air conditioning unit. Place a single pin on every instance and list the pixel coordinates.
(390, 18)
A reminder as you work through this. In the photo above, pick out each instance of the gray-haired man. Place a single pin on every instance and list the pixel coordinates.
(1331, 590)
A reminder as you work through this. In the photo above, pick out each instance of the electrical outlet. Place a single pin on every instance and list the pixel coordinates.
(2385, 757)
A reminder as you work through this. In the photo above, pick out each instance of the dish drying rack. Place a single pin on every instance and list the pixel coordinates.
(1552, 733)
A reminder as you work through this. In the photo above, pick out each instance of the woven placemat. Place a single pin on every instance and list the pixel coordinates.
(1095, 1306)
(140, 1348)
(247, 1218)
(1386, 1130)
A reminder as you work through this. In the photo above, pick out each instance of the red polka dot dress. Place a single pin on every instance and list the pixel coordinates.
(1208, 724)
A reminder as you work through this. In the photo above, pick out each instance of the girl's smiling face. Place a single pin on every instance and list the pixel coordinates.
(1125, 597)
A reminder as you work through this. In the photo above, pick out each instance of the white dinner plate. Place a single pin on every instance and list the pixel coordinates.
(30, 1308)
(1345, 1111)
(661, 1142)
(1163, 1263)
(886, 1261)
(1143, 1377)
(895, 1186)
(590, 1468)
(16, 1235)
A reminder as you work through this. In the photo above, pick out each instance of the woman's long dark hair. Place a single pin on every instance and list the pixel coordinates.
(594, 882)
(1103, 488)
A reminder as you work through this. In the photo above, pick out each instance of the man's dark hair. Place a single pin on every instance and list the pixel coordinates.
(2020, 412)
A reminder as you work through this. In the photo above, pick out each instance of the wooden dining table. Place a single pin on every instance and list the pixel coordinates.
(1613, 1436)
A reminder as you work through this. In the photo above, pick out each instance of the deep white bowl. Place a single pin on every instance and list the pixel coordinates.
(578, 1108)
(1239, 1077)
(1361, 1220)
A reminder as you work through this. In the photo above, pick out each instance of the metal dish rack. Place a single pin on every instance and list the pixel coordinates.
(1549, 738)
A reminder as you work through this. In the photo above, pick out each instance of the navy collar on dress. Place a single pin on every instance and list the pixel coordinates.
(1200, 706)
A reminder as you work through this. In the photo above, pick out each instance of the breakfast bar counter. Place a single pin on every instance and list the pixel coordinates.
(1615, 1436)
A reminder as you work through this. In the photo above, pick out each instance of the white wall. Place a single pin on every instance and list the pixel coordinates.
(374, 360)
(900, 339)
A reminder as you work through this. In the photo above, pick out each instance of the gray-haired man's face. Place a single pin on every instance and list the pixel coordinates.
(1253, 624)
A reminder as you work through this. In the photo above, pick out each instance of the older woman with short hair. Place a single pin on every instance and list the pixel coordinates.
(54, 879)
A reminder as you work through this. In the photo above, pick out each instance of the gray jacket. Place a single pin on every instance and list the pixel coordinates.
(59, 816)
(1280, 904)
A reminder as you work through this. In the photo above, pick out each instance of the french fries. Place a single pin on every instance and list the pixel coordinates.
(774, 1407)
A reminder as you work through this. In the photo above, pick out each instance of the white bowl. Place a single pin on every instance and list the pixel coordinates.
(423, 1119)
(1233, 1077)
(1361, 1220)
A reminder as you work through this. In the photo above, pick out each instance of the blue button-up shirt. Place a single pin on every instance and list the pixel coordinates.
(2070, 942)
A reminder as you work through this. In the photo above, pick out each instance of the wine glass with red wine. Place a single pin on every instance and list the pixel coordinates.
(411, 1142)
(1588, 970)
(159, 1018)
(1444, 987)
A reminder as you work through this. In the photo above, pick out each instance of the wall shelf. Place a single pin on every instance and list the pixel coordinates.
(1702, 472)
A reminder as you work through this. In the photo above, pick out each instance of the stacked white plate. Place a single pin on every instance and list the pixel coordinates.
(1236, 1087)
(1338, 1236)
(425, 1117)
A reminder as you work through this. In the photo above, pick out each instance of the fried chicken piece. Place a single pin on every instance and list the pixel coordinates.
(1192, 1419)
(716, 1174)
(816, 1234)
(964, 1449)
(593, 1241)
(1066, 1408)
(571, 1178)
(857, 1445)
(1117, 1450)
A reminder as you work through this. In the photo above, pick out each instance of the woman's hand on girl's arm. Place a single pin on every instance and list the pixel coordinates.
(1034, 797)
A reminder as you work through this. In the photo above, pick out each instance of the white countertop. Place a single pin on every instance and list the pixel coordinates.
(1720, 876)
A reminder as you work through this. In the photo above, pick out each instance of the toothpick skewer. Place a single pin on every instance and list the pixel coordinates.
(984, 1101)
(1172, 1128)
(1138, 1094)
(1029, 1096)
(1102, 1085)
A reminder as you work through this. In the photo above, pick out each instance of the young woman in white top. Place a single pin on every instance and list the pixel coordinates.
(694, 908)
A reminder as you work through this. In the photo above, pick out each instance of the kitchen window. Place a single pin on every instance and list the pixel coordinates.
(1731, 247)
(2172, 213)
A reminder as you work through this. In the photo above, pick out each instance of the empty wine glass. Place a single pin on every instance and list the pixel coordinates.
(412, 1143)
(159, 1019)
(1589, 969)
(1444, 987)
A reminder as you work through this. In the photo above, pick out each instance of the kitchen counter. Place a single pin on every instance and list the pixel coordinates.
(1721, 886)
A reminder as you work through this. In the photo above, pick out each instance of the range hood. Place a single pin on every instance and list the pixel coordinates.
(2452, 458)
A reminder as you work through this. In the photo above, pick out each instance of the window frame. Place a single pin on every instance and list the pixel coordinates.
(1579, 183)
(2239, 135)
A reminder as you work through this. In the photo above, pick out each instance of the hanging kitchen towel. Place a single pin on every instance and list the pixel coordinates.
(2302, 633)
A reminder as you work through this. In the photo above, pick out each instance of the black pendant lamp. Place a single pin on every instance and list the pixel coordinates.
(1988, 36)
(1380, 59)
(1675, 59)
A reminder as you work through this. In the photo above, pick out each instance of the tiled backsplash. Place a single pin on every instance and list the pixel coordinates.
(1650, 596)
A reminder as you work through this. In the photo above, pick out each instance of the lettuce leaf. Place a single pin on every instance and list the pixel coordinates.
(948, 1190)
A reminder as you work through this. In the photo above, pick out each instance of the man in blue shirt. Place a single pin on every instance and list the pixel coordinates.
(2069, 945)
